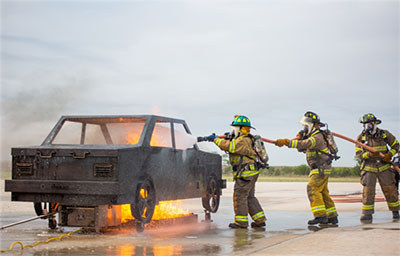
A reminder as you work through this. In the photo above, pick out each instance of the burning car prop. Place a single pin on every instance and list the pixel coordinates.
(91, 169)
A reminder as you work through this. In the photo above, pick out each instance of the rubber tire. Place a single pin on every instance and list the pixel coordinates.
(38, 209)
(52, 223)
(141, 203)
(211, 200)
(139, 227)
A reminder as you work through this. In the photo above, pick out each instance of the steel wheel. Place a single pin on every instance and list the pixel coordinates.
(211, 199)
(145, 201)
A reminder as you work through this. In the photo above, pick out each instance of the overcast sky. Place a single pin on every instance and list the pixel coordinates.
(202, 61)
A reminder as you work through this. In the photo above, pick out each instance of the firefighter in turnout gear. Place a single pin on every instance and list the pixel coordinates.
(242, 157)
(311, 141)
(377, 166)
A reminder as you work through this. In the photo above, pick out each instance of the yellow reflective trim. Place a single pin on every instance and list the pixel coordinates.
(370, 169)
(249, 173)
(316, 171)
(325, 150)
(258, 215)
(293, 143)
(365, 155)
(368, 207)
(395, 142)
(241, 218)
(318, 208)
(393, 152)
(232, 146)
(313, 142)
(218, 142)
(380, 148)
(395, 204)
(314, 133)
(384, 168)
(312, 153)
(331, 210)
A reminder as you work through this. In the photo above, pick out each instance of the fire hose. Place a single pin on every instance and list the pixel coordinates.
(365, 147)
(22, 246)
(342, 137)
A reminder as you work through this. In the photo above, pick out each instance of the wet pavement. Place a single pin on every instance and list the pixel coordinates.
(285, 204)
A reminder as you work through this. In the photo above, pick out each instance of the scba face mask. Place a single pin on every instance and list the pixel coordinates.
(306, 126)
(370, 128)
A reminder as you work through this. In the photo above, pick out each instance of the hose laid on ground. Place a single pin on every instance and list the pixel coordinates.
(22, 246)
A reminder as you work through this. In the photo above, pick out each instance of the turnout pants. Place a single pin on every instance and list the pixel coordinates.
(318, 194)
(387, 182)
(245, 203)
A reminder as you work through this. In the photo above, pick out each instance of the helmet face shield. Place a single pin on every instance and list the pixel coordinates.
(235, 131)
(306, 125)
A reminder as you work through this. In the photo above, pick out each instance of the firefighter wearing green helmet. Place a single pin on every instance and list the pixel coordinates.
(242, 156)
(377, 166)
(311, 140)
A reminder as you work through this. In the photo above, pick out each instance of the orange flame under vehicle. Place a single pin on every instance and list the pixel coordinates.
(101, 170)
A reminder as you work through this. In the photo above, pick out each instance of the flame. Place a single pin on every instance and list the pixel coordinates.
(158, 139)
(164, 210)
(133, 137)
(169, 209)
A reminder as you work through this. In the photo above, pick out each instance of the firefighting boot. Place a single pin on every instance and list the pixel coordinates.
(257, 225)
(396, 215)
(236, 226)
(367, 218)
(318, 220)
(333, 220)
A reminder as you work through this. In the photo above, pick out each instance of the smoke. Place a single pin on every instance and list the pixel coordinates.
(30, 110)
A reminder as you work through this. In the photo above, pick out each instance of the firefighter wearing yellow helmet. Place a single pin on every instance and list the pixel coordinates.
(242, 157)
(377, 166)
(312, 142)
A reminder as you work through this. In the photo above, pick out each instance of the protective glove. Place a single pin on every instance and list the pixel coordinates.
(387, 157)
(374, 155)
(210, 137)
(281, 142)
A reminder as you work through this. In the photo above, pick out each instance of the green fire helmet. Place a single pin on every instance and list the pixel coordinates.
(369, 118)
(241, 121)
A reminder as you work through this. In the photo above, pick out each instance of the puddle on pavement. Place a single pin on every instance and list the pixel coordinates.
(197, 239)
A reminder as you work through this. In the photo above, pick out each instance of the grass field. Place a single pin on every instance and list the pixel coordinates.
(5, 175)
(298, 178)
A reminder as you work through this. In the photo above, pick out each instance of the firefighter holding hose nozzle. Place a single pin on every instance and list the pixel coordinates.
(239, 143)
(377, 166)
(312, 140)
